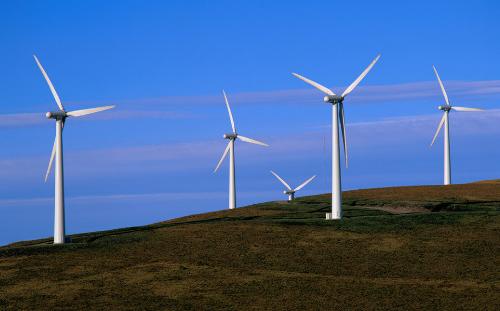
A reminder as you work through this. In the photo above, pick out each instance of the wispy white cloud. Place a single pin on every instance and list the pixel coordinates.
(409, 132)
(21, 119)
(131, 199)
(125, 160)
(174, 107)
(379, 93)
(202, 156)
(478, 122)
(33, 119)
(457, 90)
(119, 114)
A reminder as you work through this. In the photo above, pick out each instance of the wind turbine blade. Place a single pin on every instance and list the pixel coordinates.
(252, 141)
(439, 128)
(230, 113)
(223, 156)
(83, 112)
(465, 109)
(53, 154)
(52, 89)
(282, 180)
(442, 86)
(315, 84)
(361, 77)
(304, 183)
(342, 127)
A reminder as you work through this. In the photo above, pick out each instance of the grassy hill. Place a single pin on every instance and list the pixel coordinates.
(428, 248)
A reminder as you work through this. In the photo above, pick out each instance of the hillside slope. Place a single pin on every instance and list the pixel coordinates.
(428, 247)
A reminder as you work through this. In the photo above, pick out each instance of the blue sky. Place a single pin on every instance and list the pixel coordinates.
(164, 65)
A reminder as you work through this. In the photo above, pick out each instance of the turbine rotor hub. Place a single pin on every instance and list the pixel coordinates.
(444, 108)
(59, 115)
(333, 99)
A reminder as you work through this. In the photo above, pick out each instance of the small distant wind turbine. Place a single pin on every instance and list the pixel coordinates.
(230, 148)
(444, 120)
(57, 153)
(291, 192)
(337, 114)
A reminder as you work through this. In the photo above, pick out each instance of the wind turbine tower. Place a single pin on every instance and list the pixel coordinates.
(338, 116)
(230, 149)
(447, 108)
(57, 153)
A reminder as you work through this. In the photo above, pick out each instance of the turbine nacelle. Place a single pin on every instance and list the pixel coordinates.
(230, 136)
(333, 99)
(288, 192)
(58, 115)
(444, 108)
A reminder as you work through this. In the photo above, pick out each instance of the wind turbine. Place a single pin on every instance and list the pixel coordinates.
(57, 153)
(230, 148)
(444, 120)
(337, 114)
(291, 192)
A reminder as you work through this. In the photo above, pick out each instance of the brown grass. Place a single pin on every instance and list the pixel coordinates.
(278, 257)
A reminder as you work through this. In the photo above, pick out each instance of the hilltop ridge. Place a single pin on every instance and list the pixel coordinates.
(422, 247)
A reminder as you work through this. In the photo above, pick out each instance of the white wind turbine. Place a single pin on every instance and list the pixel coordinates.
(57, 153)
(230, 148)
(337, 114)
(444, 120)
(291, 192)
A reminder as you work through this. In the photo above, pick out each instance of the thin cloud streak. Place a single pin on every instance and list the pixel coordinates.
(378, 93)
(35, 119)
(131, 198)
(203, 155)
(127, 109)
(21, 119)
(399, 131)
(484, 118)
